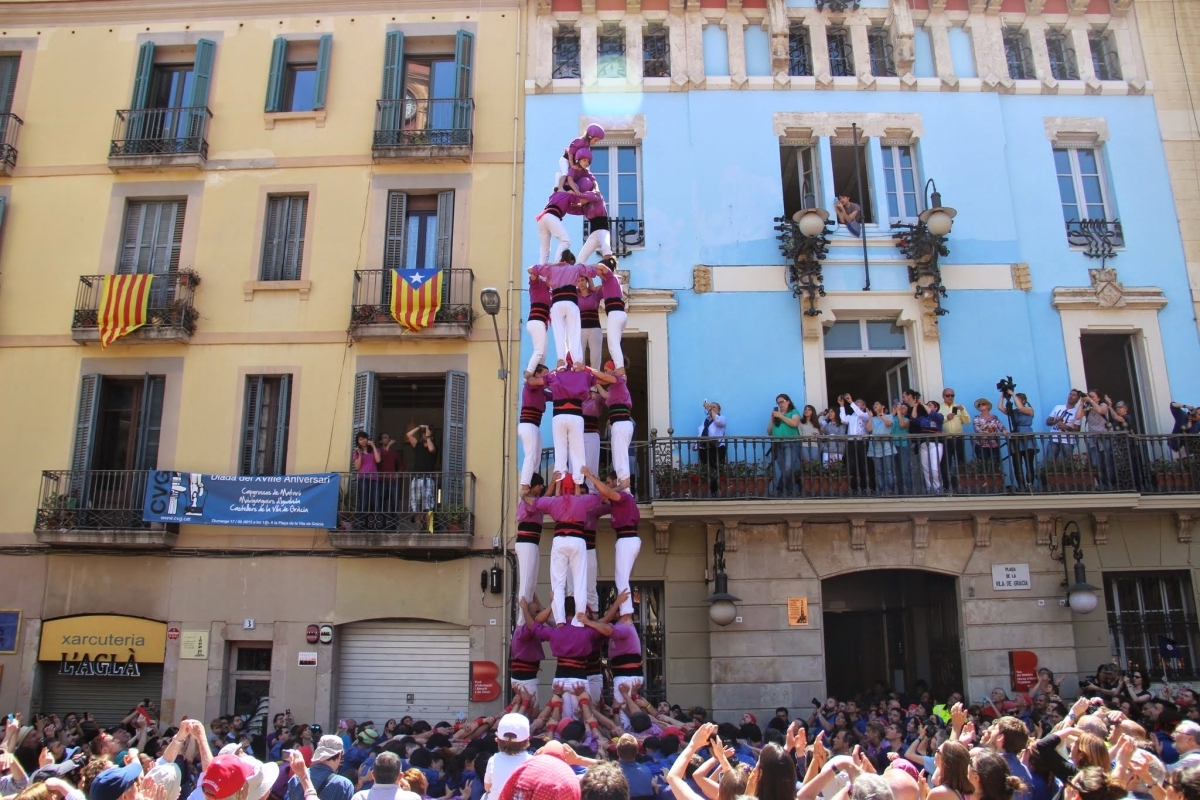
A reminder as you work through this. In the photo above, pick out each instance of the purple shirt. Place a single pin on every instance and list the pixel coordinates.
(625, 511)
(594, 205)
(366, 463)
(592, 406)
(569, 508)
(563, 274)
(539, 291)
(589, 302)
(570, 641)
(610, 286)
(623, 642)
(565, 202)
(569, 384)
(527, 643)
(618, 393)
(575, 146)
(534, 397)
(593, 517)
(578, 174)
(527, 513)
(586, 184)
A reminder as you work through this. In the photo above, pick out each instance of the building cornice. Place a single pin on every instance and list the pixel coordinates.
(67, 12)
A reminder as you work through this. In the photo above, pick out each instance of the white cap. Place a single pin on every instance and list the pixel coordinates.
(513, 728)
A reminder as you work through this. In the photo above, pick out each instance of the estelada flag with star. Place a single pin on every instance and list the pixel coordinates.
(416, 297)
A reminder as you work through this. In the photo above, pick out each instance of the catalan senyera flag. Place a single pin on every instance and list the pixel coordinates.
(416, 297)
(124, 305)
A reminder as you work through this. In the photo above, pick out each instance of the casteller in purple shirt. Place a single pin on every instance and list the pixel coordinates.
(569, 508)
(569, 384)
(618, 393)
(563, 274)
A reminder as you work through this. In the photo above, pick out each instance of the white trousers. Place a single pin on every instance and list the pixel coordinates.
(635, 685)
(596, 687)
(531, 442)
(593, 342)
(563, 168)
(564, 322)
(537, 333)
(530, 686)
(528, 556)
(616, 328)
(931, 465)
(591, 456)
(597, 240)
(551, 226)
(570, 699)
(620, 437)
(593, 595)
(627, 550)
(568, 555)
(568, 447)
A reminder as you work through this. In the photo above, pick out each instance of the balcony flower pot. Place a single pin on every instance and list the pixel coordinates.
(980, 477)
(1172, 476)
(824, 480)
(1070, 474)
(456, 517)
(188, 278)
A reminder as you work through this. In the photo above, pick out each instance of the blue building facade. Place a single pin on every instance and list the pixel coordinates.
(1029, 119)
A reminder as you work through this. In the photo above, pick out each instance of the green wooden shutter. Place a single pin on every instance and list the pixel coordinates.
(393, 80)
(86, 422)
(272, 241)
(393, 244)
(445, 230)
(464, 58)
(250, 422)
(8, 82)
(150, 422)
(454, 437)
(366, 403)
(295, 217)
(3, 208)
(275, 78)
(323, 50)
(282, 414)
(143, 77)
(202, 77)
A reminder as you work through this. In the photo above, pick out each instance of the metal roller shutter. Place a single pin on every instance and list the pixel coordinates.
(381, 663)
(109, 700)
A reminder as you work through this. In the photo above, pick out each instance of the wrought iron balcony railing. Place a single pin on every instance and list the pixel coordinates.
(10, 129)
(428, 503)
(160, 132)
(372, 298)
(92, 500)
(423, 123)
(1099, 238)
(824, 467)
(625, 233)
(171, 308)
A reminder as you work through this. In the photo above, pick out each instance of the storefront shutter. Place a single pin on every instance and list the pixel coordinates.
(109, 700)
(381, 663)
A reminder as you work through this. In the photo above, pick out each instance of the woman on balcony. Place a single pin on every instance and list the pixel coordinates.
(783, 427)
(1022, 448)
(904, 477)
(810, 429)
(881, 448)
(366, 467)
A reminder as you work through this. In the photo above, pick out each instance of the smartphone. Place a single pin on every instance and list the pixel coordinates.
(287, 754)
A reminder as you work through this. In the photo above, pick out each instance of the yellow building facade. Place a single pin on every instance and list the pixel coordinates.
(137, 140)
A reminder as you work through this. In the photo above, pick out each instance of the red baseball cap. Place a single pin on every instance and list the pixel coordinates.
(673, 731)
(225, 776)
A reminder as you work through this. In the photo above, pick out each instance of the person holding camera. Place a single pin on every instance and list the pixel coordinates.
(712, 451)
(366, 465)
(857, 419)
(1064, 418)
(1187, 423)
(422, 489)
(955, 416)
(783, 427)
(1095, 421)
(925, 425)
(1022, 448)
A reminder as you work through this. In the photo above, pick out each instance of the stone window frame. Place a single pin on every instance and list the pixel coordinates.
(239, 412)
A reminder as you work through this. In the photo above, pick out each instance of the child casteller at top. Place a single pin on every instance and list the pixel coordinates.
(569, 159)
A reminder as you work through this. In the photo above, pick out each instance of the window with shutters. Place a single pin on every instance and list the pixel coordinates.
(168, 112)
(283, 238)
(800, 167)
(119, 423)
(10, 124)
(900, 181)
(426, 95)
(265, 425)
(151, 239)
(418, 234)
(1152, 622)
(299, 74)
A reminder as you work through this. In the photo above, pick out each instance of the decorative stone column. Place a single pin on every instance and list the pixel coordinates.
(1035, 28)
(987, 40)
(859, 24)
(677, 36)
(693, 22)
(778, 26)
(634, 60)
(588, 28)
(939, 26)
(734, 24)
(543, 51)
(902, 37)
(1081, 42)
(819, 41)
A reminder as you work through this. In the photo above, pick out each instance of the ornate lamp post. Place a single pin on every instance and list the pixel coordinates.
(804, 239)
(924, 243)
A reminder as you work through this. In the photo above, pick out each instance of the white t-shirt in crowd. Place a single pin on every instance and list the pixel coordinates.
(388, 792)
(499, 769)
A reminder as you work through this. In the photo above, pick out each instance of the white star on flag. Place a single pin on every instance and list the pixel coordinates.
(416, 279)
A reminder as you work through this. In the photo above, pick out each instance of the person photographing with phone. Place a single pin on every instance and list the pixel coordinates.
(421, 487)
(366, 464)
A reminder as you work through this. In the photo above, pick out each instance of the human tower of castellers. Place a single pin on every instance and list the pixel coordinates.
(564, 298)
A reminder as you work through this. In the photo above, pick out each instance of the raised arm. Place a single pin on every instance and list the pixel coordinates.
(597, 625)
(411, 436)
(528, 617)
(614, 610)
(607, 492)
(602, 377)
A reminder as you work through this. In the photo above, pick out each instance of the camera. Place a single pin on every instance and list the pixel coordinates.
(1006, 385)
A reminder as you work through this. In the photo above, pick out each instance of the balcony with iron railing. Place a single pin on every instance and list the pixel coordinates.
(170, 317)
(430, 512)
(97, 508)
(968, 471)
(10, 130)
(423, 129)
(624, 234)
(371, 307)
(151, 139)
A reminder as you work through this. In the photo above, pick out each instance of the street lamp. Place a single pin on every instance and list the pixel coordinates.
(489, 298)
(1081, 595)
(804, 240)
(924, 242)
(721, 609)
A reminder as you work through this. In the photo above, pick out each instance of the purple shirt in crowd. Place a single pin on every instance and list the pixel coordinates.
(569, 384)
(569, 508)
(624, 511)
(610, 286)
(534, 396)
(570, 641)
(526, 512)
(593, 517)
(589, 302)
(539, 291)
(575, 146)
(593, 406)
(527, 642)
(566, 203)
(623, 642)
(618, 393)
(563, 274)
(594, 205)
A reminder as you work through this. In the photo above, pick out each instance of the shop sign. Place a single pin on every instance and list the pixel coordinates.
(306, 659)
(114, 638)
(484, 686)
(1023, 667)
(172, 633)
(326, 634)
(102, 665)
(312, 634)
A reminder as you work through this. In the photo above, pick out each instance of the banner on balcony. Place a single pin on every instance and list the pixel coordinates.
(124, 305)
(270, 501)
(416, 297)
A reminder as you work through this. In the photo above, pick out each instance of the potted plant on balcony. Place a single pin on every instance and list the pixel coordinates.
(819, 479)
(188, 278)
(670, 482)
(1067, 474)
(456, 516)
(981, 476)
(57, 513)
(1174, 476)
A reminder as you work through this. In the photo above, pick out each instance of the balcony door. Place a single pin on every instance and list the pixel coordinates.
(169, 100)
(435, 88)
(150, 245)
(1110, 367)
